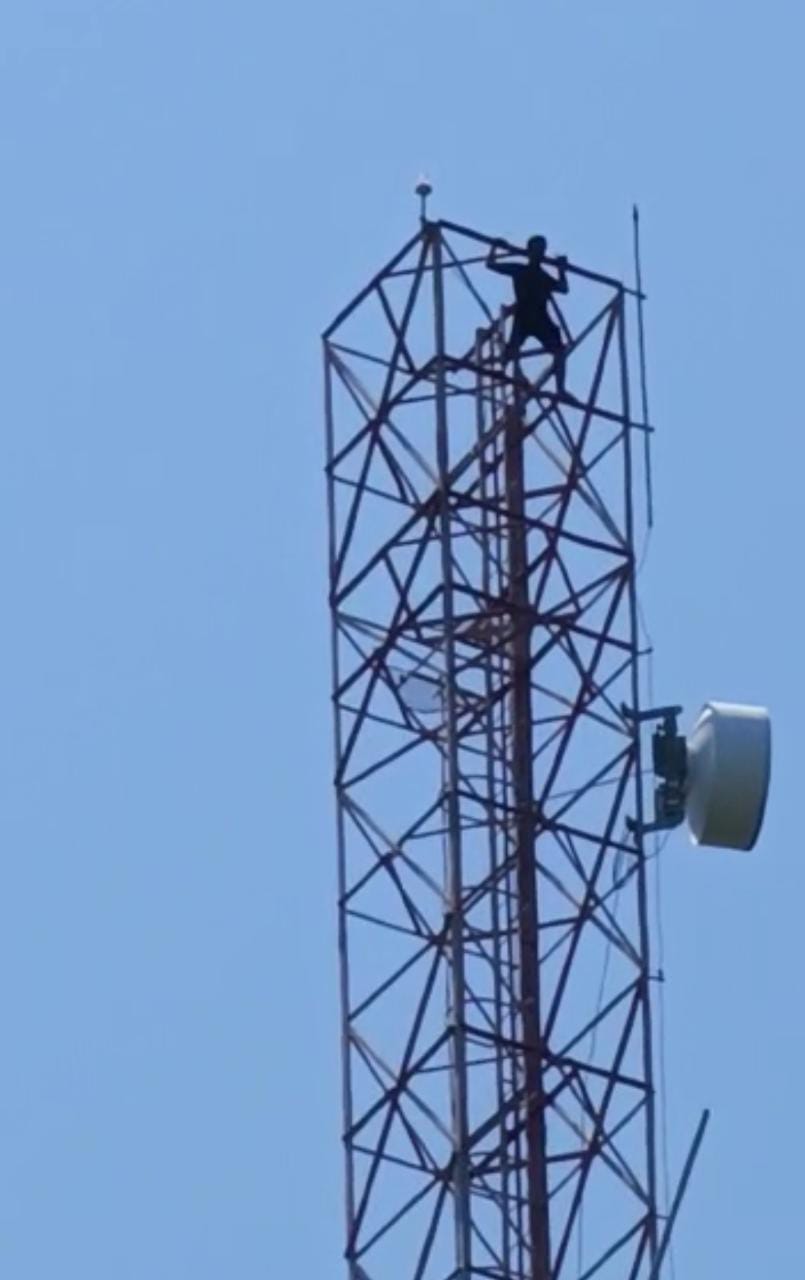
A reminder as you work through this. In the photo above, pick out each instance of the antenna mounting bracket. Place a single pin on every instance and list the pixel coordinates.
(669, 753)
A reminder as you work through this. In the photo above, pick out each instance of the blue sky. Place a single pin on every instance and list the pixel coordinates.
(189, 193)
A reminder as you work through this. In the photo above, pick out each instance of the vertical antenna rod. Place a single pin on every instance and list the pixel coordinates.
(698, 1138)
(641, 347)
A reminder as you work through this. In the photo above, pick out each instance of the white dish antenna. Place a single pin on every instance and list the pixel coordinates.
(422, 691)
(422, 694)
(717, 779)
(728, 773)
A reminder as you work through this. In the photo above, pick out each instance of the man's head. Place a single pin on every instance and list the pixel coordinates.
(536, 249)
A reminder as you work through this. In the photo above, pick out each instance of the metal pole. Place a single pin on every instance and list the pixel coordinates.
(343, 950)
(641, 345)
(484, 349)
(642, 887)
(698, 1138)
(460, 1121)
(522, 766)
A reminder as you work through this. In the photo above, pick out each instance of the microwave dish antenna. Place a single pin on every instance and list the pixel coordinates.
(717, 778)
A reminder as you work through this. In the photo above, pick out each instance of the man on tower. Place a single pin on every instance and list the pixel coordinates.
(533, 287)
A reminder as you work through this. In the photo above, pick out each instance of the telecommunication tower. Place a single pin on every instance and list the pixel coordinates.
(494, 932)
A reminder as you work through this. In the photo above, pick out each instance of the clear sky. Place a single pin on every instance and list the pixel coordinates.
(190, 191)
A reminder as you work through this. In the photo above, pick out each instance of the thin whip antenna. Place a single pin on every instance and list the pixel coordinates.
(641, 343)
(680, 1194)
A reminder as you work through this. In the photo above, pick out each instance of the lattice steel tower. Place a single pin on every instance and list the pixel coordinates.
(496, 977)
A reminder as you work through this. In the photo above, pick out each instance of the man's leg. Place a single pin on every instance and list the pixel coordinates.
(559, 369)
(512, 349)
(551, 340)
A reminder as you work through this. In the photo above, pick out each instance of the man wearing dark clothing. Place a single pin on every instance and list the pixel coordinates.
(533, 287)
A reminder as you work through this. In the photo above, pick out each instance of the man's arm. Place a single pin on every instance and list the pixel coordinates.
(561, 285)
(501, 268)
